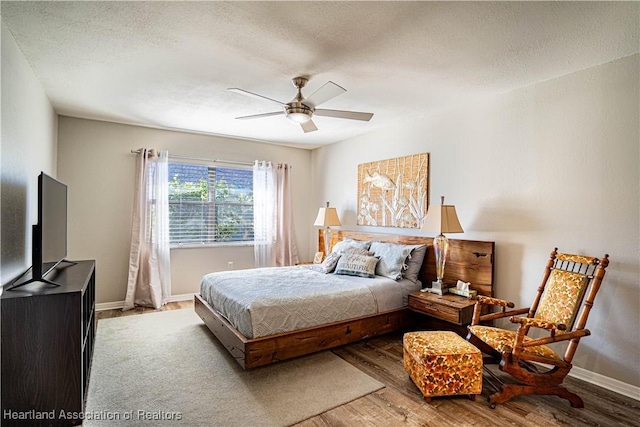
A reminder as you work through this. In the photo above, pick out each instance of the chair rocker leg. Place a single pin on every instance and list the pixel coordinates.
(509, 391)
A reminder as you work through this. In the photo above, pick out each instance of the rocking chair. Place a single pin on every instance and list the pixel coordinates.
(559, 307)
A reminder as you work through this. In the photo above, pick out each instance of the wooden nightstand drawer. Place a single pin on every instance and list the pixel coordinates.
(449, 307)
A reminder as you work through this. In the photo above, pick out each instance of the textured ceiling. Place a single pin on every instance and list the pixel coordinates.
(169, 64)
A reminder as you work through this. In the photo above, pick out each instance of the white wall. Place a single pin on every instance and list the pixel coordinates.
(29, 144)
(552, 164)
(95, 160)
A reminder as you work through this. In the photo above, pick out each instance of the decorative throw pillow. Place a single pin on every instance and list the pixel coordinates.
(392, 257)
(330, 262)
(414, 262)
(357, 265)
(358, 251)
(347, 243)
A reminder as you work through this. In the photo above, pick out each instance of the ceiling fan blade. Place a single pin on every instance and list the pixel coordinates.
(253, 95)
(308, 126)
(258, 116)
(340, 114)
(328, 91)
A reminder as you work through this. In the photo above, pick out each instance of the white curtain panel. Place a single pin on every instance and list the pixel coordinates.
(264, 214)
(286, 250)
(149, 283)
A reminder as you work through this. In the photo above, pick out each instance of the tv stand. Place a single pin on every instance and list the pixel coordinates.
(47, 338)
(39, 280)
(43, 280)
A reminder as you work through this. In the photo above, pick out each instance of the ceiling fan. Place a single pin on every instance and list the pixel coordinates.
(301, 110)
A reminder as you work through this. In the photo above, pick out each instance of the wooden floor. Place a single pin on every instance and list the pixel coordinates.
(401, 404)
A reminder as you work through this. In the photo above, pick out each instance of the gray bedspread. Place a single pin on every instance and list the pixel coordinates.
(267, 301)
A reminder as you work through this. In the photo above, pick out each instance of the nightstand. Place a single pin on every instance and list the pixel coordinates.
(448, 307)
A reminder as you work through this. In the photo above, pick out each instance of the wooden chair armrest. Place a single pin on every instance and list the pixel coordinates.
(557, 338)
(527, 322)
(518, 350)
(494, 301)
(537, 323)
(484, 300)
(503, 314)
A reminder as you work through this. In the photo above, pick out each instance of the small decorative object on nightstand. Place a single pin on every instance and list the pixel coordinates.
(462, 288)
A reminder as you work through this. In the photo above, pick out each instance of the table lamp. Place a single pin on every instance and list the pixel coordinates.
(326, 218)
(441, 219)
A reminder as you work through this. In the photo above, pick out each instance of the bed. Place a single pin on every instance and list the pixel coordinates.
(376, 306)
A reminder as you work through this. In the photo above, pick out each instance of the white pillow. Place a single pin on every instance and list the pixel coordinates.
(392, 257)
(330, 262)
(354, 250)
(348, 243)
(357, 265)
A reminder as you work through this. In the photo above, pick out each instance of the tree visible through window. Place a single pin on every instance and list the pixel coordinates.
(210, 204)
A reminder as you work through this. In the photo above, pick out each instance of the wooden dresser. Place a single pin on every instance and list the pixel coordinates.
(47, 338)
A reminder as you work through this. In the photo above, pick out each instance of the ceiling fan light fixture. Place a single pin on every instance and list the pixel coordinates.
(299, 117)
(301, 114)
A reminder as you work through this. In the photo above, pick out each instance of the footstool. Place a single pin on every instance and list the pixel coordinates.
(441, 363)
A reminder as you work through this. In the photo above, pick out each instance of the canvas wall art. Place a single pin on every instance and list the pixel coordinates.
(394, 192)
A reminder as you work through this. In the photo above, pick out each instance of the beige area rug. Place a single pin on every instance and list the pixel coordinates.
(167, 368)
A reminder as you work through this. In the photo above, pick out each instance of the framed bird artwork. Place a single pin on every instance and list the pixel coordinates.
(394, 192)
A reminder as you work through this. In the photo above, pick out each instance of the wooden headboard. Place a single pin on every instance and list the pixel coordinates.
(468, 260)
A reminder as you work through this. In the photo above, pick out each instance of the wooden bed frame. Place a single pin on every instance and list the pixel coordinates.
(471, 261)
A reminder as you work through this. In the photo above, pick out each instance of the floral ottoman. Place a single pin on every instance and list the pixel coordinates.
(441, 363)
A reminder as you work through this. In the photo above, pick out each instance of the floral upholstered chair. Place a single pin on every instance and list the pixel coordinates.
(561, 307)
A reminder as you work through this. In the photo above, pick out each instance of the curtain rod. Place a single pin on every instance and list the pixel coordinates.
(203, 160)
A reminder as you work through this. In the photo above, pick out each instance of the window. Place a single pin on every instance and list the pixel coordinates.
(210, 204)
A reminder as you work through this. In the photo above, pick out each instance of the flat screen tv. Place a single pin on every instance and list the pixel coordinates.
(50, 234)
(49, 245)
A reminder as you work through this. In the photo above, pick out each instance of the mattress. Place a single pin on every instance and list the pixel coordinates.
(266, 301)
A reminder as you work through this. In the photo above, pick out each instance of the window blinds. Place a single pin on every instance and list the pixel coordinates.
(210, 204)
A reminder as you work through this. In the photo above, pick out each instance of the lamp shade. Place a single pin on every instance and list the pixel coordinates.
(327, 217)
(442, 219)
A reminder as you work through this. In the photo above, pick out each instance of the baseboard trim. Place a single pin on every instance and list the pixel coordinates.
(182, 297)
(103, 306)
(119, 304)
(608, 383)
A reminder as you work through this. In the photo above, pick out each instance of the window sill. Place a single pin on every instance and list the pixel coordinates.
(210, 245)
